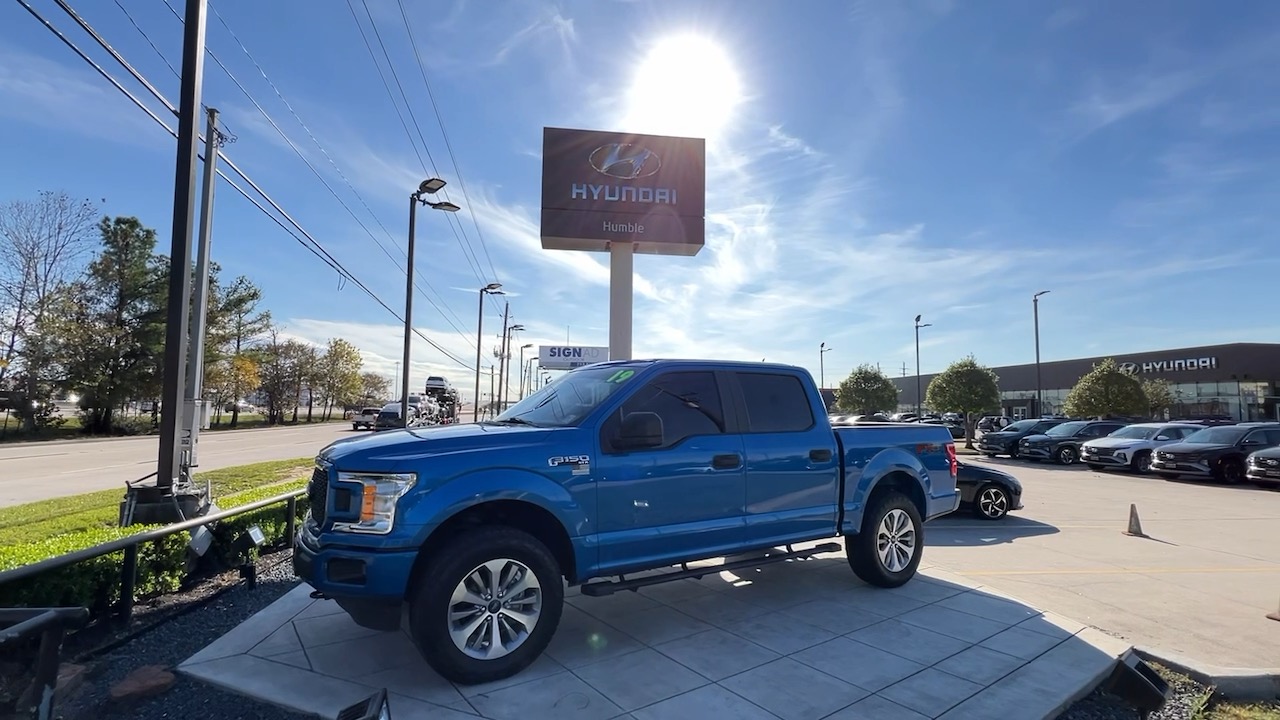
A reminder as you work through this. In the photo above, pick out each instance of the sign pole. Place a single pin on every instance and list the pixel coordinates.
(621, 276)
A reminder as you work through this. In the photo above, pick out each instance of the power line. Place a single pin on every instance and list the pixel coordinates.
(463, 242)
(314, 247)
(422, 68)
(316, 172)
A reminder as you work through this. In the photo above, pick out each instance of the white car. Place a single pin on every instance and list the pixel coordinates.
(436, 382)
(1130, 447)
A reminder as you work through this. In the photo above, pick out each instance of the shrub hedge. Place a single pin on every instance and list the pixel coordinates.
(162, 565)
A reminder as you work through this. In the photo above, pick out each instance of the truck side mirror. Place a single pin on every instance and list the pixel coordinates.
(639, 430)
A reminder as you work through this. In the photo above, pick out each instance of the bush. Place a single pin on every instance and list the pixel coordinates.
(162, 564)
(136, 425)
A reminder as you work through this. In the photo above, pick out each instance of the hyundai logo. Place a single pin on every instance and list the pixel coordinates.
(625, 161)
(1130, 368)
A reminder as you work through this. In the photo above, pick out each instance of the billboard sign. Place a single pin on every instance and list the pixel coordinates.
(604, 187)
(567, 357)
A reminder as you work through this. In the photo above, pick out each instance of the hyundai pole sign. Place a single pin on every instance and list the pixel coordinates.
(567, 357)
(602, 187)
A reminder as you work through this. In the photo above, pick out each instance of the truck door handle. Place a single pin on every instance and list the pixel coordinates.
(726, 462)
(820, 455)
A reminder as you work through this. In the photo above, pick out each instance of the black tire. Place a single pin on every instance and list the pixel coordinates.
(1013, 453)
(991, 502)
(1168, 476)
(355, 427)
(863, 549)
(1067, 455)
(433, 587)
(1230, 472)
(1141, 463)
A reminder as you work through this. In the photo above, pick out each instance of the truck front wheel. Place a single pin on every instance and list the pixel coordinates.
(887, 551)
(486, 605)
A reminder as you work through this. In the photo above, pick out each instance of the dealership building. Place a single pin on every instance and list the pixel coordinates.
(1239, 380)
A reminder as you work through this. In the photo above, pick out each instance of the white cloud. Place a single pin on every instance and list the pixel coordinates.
(551, 25)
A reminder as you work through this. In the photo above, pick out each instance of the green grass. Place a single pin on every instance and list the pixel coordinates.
(49, 518)
(1209, 705)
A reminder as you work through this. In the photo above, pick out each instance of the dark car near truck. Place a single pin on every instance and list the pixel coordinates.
(1005, 442)
(1061, 443)
(989, 493)
(610, 470)
(1216, 453)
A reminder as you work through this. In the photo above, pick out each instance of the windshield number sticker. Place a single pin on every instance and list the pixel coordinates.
(621, 376)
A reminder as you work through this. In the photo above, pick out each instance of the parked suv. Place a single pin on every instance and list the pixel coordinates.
(1005, 442)
(1263, 467)
(1131, 447)
(1061, 443)
(1216, 452)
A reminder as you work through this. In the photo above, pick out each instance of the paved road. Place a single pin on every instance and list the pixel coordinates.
(36, 471)
(1199, 587)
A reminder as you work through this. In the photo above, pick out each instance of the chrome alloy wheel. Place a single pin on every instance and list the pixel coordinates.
(993, 502)
(896, 540)
(494, 609)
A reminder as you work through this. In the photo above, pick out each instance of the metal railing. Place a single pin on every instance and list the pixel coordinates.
(17, 624)
(129, 544)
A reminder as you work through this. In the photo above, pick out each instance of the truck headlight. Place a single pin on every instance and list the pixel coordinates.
(378, 494)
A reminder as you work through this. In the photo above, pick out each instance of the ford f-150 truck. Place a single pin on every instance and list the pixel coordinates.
(612, 469)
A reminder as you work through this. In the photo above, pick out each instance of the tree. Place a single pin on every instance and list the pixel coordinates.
(43, 243)
(374, 387)
(340, 381)
(306, 367)
(866, 391)
(240, 325)
(965, 387)
(1159, 395)
(104, 333)
(224, 378)
(280, 375)
(1104, 391)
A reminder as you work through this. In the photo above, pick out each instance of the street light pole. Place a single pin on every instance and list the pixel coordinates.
(822, 368)
(490, 289)
(919, 393)
(426, 187)
(1035, 314)
(522, 367)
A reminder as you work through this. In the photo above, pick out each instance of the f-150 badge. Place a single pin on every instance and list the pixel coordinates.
(581, 463)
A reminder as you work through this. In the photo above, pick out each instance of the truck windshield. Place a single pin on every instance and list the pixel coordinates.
(566, 401)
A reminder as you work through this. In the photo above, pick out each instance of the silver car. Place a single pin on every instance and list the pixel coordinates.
(1130, 447)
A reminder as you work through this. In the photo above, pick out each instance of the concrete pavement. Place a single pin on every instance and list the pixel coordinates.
(38, 471)
(1198, 587)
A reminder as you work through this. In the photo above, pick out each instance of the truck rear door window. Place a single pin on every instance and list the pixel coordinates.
(775, 403)
(688, 403)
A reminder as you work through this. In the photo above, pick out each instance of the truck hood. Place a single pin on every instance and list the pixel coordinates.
(392, 450)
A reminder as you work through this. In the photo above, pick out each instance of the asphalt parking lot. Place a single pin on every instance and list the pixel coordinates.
(1199, 586)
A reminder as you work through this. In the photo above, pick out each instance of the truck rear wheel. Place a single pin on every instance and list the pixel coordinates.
(486, 606)
(886, 552)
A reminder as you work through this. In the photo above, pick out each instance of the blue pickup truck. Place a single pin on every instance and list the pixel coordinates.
(612, 469)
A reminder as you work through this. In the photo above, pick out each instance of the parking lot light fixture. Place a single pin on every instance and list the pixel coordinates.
(1035, 315)
(490, 289)
(430, 186)
(822, 368)
(919, 397)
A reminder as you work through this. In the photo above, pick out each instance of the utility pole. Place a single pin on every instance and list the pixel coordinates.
(162, 503)
(492, 390)
(193, 415)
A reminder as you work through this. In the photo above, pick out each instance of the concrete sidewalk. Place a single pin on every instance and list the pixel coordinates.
(799, 640)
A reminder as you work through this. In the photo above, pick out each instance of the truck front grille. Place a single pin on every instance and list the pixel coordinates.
(318, 494)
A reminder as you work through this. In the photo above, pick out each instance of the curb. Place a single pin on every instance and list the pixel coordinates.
(1243, 684)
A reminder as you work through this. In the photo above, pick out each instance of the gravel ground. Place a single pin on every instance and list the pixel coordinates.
(1184, 704)
(174, 641)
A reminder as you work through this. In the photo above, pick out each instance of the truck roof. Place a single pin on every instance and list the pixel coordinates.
(679, 362)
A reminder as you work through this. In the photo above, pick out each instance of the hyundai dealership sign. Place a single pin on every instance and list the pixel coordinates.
(567, 357)
(603, 187)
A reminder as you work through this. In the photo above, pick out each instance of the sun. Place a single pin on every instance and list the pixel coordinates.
(685, 85)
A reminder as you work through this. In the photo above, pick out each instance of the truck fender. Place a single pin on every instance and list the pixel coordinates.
(888, 462)
(471, 489)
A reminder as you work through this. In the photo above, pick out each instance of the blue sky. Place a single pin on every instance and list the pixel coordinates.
(867, 161)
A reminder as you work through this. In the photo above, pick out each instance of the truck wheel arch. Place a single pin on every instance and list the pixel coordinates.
(528, 517)
(901, 481)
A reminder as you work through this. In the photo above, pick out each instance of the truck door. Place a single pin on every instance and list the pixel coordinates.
(682, 500)
(793, 468)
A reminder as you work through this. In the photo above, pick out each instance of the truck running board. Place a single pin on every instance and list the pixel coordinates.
(609, 587)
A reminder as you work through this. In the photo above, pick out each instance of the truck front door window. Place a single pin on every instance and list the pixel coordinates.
(688, 403)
